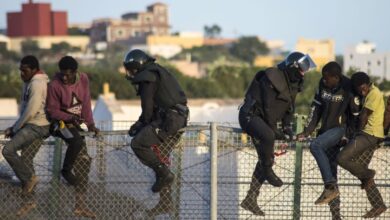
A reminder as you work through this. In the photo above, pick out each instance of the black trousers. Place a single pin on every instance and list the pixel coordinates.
(263, 138)
(75, 144)
(146, 143)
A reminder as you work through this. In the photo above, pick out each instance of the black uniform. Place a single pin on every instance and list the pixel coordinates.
(164, 113)
(269, 99)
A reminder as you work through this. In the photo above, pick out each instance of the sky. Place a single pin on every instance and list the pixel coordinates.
(348, 22)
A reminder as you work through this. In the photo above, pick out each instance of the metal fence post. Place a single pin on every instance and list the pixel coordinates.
(214, 172)
(298, 171)
(101, 161)
(55, 195)
(57, 158)
(177, 169)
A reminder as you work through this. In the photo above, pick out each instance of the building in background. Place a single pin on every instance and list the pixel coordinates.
(321, 51)
(37, 22)
(132, 25)
(5, 42)
(108, 108)
(36, 19)
(275, 55)
(363, 57)
(46, 42)
(267, 60)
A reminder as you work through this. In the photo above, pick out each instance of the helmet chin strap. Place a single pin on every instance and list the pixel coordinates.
(129, 77)
(130, 74)
(294, 74)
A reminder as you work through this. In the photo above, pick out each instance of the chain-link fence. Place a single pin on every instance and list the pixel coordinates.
(213, 165)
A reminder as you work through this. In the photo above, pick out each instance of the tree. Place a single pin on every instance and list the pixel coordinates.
(78, 31)
(206, 54)
(248, 47)
(30, 47)
(212, 31)
(61, 47)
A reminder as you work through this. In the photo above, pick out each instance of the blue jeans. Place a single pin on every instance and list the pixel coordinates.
(28, 139)
(324, 149)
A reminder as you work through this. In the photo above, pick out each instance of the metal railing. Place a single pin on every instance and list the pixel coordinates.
(213, 165)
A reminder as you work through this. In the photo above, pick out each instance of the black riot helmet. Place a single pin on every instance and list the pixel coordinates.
(134, 61)
(297, 64)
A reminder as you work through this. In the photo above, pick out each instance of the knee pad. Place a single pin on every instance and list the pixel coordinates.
(146, 138)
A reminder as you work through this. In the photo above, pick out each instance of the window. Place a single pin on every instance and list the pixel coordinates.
(378, 62)
(351, 56)
(148, 19)
(369, 63)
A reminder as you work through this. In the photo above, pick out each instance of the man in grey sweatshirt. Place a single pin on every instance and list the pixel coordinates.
(31, 128)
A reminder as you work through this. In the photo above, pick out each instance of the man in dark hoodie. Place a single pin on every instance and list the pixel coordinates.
(164, 113)
(269, 99)
(30, 129)
(68, 106)
(337, 108)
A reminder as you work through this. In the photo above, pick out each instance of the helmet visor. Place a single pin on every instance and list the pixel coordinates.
(306, 63)
(131, 66)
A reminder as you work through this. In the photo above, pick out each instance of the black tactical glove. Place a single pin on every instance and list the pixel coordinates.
(288, 133)
(135, 128)
(279, 135)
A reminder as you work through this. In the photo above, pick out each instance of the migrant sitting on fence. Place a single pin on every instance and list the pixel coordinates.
(30, 130)
(69, 105)
(368, 137)
(337, 108)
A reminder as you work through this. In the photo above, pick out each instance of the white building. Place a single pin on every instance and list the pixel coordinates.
(9, 114)
(116, 112)
(4, 40)
(363, 57)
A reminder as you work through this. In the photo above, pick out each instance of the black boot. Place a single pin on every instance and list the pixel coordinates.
(164, 178)
(70, 177)
(164, 205)
(271, 177)
(250, 201)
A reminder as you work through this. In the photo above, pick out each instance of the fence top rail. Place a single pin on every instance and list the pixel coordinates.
(385, 143)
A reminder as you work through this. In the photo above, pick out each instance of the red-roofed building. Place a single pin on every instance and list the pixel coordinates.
(37, 19)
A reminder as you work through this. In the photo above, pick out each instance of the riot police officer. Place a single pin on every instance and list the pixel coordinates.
(164, 112)
(269, 99)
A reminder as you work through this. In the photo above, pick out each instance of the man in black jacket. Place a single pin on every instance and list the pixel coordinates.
(269, 99)
(337, 108)
(164, 113)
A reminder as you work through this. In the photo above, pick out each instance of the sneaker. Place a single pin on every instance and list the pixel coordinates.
(70, 177)
(29, 186)
(84, 212)
(327, 196)
(163, 181)
(375, 212)
(24, 210)
(250, 204)
(272, 179)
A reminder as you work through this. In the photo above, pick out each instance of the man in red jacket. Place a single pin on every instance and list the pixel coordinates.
(68, 106)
